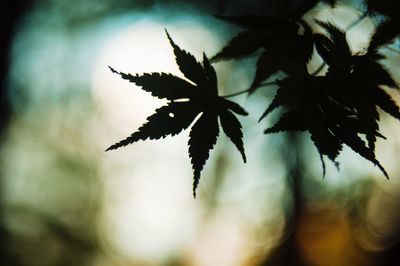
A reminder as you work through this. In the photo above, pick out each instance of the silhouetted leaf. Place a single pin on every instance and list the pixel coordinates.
(243, 44)
(268, 63)
(281, 55)
(338, 108)
(210, 76)
(386, 103)
(187, 102)
(167, 120)
(233, 129)
(368, 71)
(188, 65)
(323, 45)
(358, 145)
(384, 34)
(330, 122)
(355, 81)
(334, 50)
(368, 118)
(234, 107)
(285, 48)
(290, 121)
(283, 95)
(200, 143)
(326, 142)
(161, 85)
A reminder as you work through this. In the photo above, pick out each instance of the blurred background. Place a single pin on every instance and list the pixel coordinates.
(64, 201)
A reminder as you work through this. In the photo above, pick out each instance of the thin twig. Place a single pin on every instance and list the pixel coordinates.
(319, 69)
(236, 93)
(267, 84)
(393, 49)
(356, 22)
(249, 89)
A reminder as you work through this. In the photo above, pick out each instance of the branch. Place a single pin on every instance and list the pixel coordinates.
(250, 89)
(393, 49)
(319, 69)
(356, 22)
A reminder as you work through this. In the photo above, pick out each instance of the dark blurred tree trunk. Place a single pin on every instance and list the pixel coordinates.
(287, 253)
(9, 14)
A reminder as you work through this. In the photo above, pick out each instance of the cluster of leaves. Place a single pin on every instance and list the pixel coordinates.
(186, 101)
(389, 29)
(338, 108)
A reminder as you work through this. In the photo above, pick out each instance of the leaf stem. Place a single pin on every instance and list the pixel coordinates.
(318, 70)
(393, 49)
(249, 89)
(236, 93)
(356, 22)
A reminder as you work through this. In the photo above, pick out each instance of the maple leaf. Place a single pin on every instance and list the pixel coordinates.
(340, 106)
(259, 31)
(289, 121)
(284, 47)
(188, 100)
(355, 79)
(306, 104)
(384, 34)
(280, 55)
(330, 123)
(333, 48)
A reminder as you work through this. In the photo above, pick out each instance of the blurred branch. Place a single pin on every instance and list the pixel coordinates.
(393, 50)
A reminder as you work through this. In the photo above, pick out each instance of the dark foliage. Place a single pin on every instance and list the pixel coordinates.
(337, 109)
(386, 32)
(187, 101)
(388, 8)
(276, 37)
